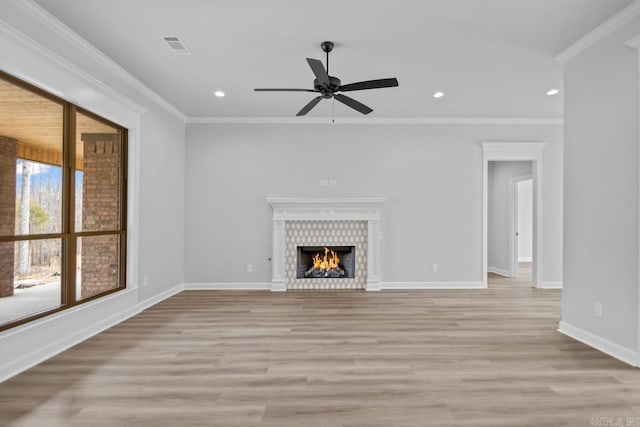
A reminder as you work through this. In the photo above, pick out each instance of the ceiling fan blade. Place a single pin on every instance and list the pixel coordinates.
(369, 84)
(350, 102)
(309, 106)
(285, 90)
(318, 69)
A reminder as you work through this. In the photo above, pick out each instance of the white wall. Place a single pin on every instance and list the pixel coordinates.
(499, 212)
(601, 192)
(525, 220)
(35, 48)
(431, 176)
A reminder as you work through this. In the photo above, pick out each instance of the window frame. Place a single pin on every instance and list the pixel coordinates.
(68, 235)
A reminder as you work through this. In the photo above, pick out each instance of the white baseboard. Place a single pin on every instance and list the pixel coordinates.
(266, 286)
(612, 349)
(499, 271)
(431, 285)
(229, 286)
(551, 285)
(160, 297)
(21, 364)
(525, 259)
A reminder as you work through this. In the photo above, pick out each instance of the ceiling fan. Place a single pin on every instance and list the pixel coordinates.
(331, 87)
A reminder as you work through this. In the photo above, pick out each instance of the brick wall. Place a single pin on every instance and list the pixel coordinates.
(100, 212)
(8, 152)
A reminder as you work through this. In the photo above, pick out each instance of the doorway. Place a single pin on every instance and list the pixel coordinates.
(510, 219)
(530, 153)
(522, 228)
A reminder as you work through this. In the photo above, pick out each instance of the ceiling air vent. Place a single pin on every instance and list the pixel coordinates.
(176, 45)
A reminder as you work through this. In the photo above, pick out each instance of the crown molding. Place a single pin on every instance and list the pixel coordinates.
(600, 32)
(634, 42)
(45, 18)
(29, 43)
(381, 120)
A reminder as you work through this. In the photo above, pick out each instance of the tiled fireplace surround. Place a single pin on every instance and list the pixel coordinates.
(326, 222)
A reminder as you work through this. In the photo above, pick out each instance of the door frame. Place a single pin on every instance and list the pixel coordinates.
(515, 151)
(513, 221)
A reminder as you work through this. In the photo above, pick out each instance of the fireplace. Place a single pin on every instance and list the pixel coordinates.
(342, 265)
(348, 228)
(322, 262)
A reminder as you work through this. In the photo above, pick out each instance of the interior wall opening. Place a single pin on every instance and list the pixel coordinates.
(510, 222)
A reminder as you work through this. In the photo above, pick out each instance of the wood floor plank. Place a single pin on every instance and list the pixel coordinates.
(331, 358)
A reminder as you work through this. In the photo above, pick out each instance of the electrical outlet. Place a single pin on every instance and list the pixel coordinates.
(249, 268)
(434, 268)
(145, 281)
(598, 309)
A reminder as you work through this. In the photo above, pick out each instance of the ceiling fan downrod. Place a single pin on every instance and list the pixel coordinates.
(327, 47)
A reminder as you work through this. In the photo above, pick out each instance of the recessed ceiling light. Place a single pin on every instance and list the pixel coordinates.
(438, 94)
(219, 93)
(552, 92)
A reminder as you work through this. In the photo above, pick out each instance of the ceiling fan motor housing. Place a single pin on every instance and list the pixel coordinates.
(327, 91)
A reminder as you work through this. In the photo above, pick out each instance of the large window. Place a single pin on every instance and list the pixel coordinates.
(62, 204)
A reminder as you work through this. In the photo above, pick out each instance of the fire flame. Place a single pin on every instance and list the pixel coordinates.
(328, 262)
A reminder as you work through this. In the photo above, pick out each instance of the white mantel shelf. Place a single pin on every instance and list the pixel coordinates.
(327, 209)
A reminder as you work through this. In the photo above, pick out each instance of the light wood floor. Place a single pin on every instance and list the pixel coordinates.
(441, 358)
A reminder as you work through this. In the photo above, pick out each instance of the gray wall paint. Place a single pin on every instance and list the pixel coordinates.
(601, 189)
(499, 210)
(430, 175)
(162, 171)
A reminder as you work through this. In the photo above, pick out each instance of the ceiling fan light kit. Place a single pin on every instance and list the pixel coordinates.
(331, 87)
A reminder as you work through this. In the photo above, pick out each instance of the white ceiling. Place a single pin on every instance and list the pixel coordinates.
(492, 58)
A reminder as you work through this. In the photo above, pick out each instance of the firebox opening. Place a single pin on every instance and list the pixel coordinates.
(326, 262)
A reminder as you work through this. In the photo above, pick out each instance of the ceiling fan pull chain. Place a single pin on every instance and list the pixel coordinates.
(333, 110)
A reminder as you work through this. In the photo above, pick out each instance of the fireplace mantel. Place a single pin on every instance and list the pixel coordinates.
(326, 209)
